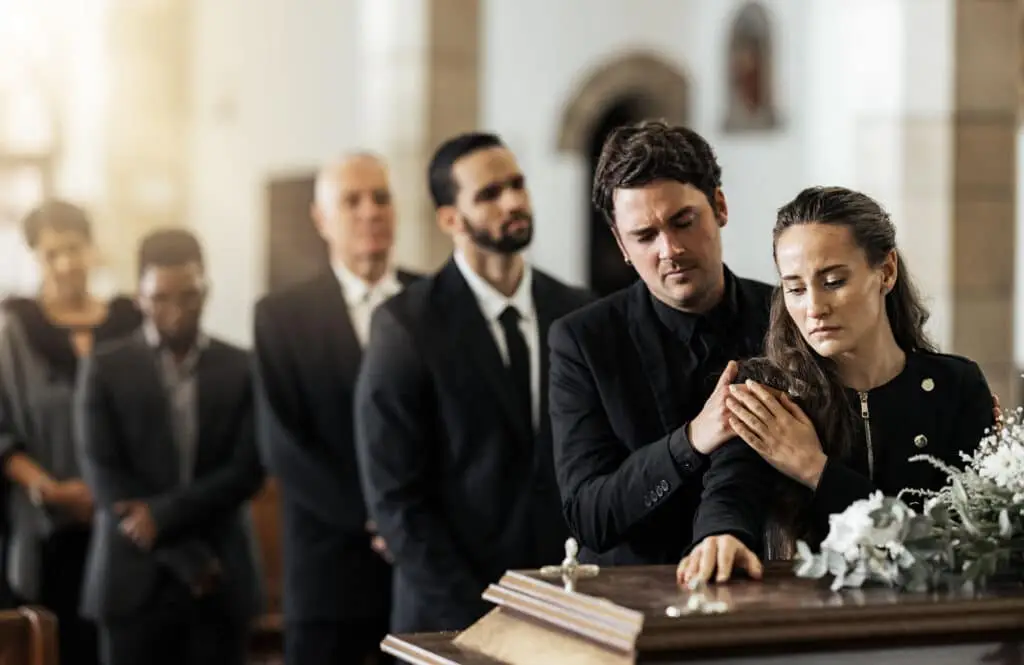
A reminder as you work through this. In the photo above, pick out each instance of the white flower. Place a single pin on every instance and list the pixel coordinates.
(1005, 525)
(982, 504)
(892, 533)
(882, 569)
(853, 528)
(1003, 463)
(899, 554)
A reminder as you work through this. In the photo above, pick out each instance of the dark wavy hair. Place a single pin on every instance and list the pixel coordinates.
(639, 154)
(169, 247)
(56, 215)
(441, 180)
(790, 364)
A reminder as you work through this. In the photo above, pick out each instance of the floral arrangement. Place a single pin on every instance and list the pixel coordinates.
(969, 531)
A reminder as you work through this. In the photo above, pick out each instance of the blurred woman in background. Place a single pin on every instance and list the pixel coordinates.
(47, 509)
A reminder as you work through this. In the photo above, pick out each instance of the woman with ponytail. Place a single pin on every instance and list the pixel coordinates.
(849, 390)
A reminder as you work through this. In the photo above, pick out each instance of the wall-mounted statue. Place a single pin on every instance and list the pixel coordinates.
(750, 62)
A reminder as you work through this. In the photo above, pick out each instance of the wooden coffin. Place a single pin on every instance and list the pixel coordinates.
(639, 614)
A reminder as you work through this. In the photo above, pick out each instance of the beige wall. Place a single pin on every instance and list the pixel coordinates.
(420, 85)
(233, 92)
(147, 148)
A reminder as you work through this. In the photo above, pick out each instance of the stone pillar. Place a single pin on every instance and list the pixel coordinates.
(941, 154)
(147, 131)
(420, 67)
(984, 131)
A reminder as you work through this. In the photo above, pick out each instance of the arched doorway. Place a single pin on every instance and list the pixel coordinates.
(635, 87)
(607, 271)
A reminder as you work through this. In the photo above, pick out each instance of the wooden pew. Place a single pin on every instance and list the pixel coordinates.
(267, 644)
(28, 636)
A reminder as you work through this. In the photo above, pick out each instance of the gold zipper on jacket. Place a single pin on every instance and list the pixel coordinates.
(866, 417)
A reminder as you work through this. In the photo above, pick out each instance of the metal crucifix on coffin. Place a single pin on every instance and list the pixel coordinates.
(571, 569)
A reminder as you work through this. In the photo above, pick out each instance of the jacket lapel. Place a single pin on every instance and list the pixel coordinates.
(473, 337)
(547, 311)
(406, 278)
(150, 391)
(339, 336)
(206, 406)
(643, 328)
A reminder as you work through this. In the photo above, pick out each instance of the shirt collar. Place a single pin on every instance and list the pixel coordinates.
(356, 290)
(718, 319)
(493, 302)
(153, 337)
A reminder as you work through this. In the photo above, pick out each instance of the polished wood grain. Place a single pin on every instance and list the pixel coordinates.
(786, 611)
(637, 614)
(266, 640)
(607, 623)
(432, 649)
(28, 636)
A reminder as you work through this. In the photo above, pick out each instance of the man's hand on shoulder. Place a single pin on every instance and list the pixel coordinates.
(710, 428)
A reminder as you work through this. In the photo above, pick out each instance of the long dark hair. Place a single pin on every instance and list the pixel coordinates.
(790, 364)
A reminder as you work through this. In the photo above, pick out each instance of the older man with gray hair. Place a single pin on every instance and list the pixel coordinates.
(309, 342)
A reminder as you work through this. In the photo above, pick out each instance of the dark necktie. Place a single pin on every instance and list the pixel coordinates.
(518, 361)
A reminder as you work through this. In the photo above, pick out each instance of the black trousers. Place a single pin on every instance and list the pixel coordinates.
(355, 642)
(174, 630)
(63, 567)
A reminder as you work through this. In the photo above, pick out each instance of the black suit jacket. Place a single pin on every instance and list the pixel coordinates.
(616, 419)
(461, 487)
(307, 358)
(127, 451)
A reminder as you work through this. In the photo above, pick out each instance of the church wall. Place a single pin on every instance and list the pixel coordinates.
(275, 91)
(879, 99)
(274, 87)
(1018, 310)
(538, 52)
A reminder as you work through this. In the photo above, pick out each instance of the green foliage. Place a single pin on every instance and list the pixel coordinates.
(970, 530)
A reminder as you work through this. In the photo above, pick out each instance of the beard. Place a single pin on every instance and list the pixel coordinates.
(179, 341)
(507, 241)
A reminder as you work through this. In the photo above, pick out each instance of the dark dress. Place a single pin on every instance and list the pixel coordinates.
(43, 557)
(939, 405)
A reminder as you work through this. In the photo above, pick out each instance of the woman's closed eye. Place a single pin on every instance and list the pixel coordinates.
(830, 284)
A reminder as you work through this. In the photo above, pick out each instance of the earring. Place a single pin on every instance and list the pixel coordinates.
(626, 259)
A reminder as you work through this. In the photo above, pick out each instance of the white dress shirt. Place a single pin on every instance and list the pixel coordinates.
(181, 386)
(492, 303)
(362, 298)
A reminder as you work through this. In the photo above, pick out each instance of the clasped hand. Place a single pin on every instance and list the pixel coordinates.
(778, 430)
(137, 522)
(781, 433)
(71, 496)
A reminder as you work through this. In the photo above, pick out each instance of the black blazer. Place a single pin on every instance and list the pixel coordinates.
(615, 418)
(939, 405)
(307, 358)
(127, 451)
(462, 489)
